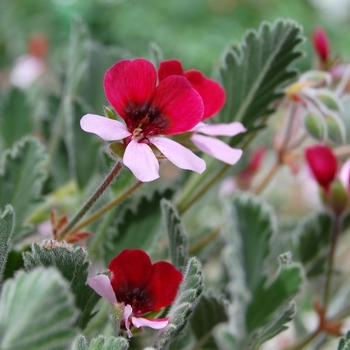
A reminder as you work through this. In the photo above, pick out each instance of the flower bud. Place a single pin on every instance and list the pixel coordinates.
(338, 197)
(322, 164)
(321, 44)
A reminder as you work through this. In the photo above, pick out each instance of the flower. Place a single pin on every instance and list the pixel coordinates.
(172, 107)
(323, 165)
(321, 44)
(213, 96)
(138, 287)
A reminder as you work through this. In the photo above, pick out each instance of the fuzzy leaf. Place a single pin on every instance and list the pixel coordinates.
(73, 264)
(22, 174)
(7, 225)
(184, 304)
(314, 234)
(209, 312)
(254, 234)
(15, 117)
(344, 343)
(254, 72)
(176, 235)
(279, 324)
(135, 227)
(100, 343)
(37, 312)
(266, 300)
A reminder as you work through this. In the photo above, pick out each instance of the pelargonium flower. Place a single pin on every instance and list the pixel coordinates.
(321, 44)
(213, 96)
(172, 107)
(322, 164)
(138, 288)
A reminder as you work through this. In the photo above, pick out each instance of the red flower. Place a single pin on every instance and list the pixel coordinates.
(321, 44)
(138, 287)
(213, 95)
(323, 164)
(148, 110)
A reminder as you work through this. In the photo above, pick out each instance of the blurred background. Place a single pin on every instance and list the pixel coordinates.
(194, 31)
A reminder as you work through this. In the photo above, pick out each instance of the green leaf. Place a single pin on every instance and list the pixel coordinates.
(73, 264)
(176, 235)
(135, 227)
(254, 72)
(344, 343)
(209, 312)
(7, 225)
(100, 343)
(314, 234)
(266, 300)
(184, 304)
(279, 324)
(22, 174)
(15, 117)
(37, 312)
(254, 235)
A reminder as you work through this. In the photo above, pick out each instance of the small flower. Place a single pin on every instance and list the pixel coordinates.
(213, 96)
(172, 107)
(323, 164)
(138, 287)
(321, 44)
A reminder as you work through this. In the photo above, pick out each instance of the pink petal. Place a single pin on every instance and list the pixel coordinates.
(107, 129)
(212, 93)
(127, 313)
(230, 129)
(181, 156)
(159, 323)
(140, 159)
(217, 149)
(102, 286)
(168, 68)
(344, 175)
(180, 106)
(130, 83)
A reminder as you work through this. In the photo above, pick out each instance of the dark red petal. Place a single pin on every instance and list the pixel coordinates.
(212, 93)
(322, 163)
(168, 68)
(130, 273)
(130, 84)
(163, 284)
(180, 106)
(321, 44)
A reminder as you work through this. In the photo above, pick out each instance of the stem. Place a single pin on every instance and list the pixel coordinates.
(305, 341)
(205, 240)
(104, 209)
(114, 172)
(259, 188)
(327, 287)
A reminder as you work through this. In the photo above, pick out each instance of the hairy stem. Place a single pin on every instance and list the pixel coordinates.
(114, 172)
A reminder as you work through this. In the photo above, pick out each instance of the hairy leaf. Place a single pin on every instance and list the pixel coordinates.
(186, 300)
(344, 343)
(73, 264)
(254, 72)
(7, 225)
(176, 235)
(22, 174)
(37, 312)
(100, 343)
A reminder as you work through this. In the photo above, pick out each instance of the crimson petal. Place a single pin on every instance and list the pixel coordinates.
(130, 273)
(163, 284)
(180, 106)
(212, 93)
(130, 85)
(168, 68)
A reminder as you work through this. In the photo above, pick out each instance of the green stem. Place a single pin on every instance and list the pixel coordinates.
(327, 287)
(115, 170)
(269, 176)
(104, 209)
(304, 342)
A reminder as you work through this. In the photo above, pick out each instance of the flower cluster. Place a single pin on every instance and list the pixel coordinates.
(136, 288)
(177, 105)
